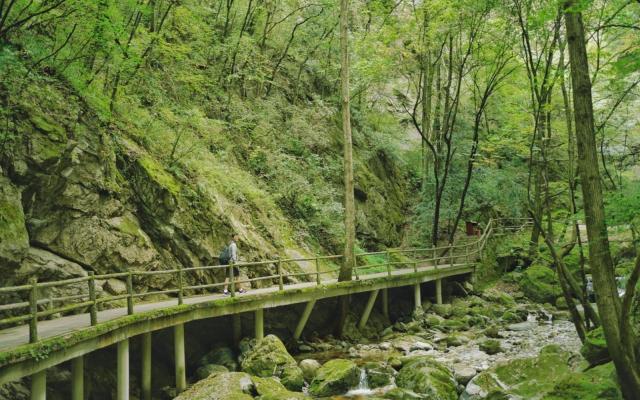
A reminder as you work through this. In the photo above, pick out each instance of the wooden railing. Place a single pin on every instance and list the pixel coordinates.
(39, 307)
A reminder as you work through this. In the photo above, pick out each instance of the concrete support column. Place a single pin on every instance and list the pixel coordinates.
(417, 297)
(146, 366)
(123, 370)
(77, 378)
(237, 328)
(438, 291)
(259, 323)
(385, 302)
(178, 347)
(39, 385)
(303, 319)
(367, 309)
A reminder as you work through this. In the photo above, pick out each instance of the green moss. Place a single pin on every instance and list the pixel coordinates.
(55, 131)
(426, 376)
(491, 346)
(156, 172)
(597, 383)
(334, 378)
(539, 283)
(594, 349)
(529, 377)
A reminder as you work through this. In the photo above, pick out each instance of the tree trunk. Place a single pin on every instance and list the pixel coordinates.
(604, 282)
(348, 261)
(349, 201)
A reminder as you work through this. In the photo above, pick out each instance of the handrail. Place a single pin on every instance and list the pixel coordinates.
(43, 306)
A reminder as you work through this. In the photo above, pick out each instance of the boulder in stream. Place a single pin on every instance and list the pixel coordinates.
(272, 389)
(334, 378)
(426, 376)
(221, 386)
(309, 369)
(268, 358)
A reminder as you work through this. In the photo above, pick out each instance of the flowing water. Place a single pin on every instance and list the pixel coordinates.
(519, 341)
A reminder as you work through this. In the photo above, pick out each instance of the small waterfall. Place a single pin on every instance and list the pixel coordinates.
(363, 387)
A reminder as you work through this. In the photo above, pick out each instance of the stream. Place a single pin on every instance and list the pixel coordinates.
(518, 340)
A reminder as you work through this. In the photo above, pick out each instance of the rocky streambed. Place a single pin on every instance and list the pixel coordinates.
(485, 346)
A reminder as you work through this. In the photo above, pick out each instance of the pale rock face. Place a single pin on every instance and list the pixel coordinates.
(14, 240)
(309, 369)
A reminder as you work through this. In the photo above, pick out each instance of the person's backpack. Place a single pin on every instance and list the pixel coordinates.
(225, 255)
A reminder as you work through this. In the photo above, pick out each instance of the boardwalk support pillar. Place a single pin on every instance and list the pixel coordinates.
(439, 291)
(236, 323)
(303, 319)
(77, 378)
(367, 309)
(123, 370)
(417, 297)
(39, 385)
(385, 303)
(259, 323)
(146, 366)
(181, 371)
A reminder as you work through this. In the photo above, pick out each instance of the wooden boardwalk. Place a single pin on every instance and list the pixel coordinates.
(16, 336)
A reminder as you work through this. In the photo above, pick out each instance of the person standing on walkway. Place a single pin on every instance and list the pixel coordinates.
(230, 255)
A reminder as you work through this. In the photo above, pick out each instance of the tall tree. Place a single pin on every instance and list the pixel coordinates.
(349, 200)
(348, 261)
(621, 340)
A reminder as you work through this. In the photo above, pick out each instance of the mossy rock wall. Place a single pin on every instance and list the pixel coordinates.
(540, 284)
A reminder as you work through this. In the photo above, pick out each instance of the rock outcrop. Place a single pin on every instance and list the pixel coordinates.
(268, 358)
(335, 377)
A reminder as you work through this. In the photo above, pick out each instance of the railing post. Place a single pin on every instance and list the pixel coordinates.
(130, 293)
(93, 308)
(466, 253)
(180, 285)
(355, 270)
(318, 271)
(388, 263)
(232, 279)
(33, 309)
(451, 255)
(280, 279)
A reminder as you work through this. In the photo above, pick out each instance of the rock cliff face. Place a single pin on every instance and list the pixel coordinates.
(79, 194)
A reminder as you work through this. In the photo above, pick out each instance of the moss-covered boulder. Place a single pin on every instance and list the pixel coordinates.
(204, 371)
(443, 310)
(493, 295)
(594, 349)
(378, 374)
(272, 389)
(598, 383)
(335, 377)
(402, 394)
(221, 355)
(222, 386)
(526, 378)
(14, 240)
(426, 376)
(268, 358)
(539, 283)
(309, 369)
(491, 346)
